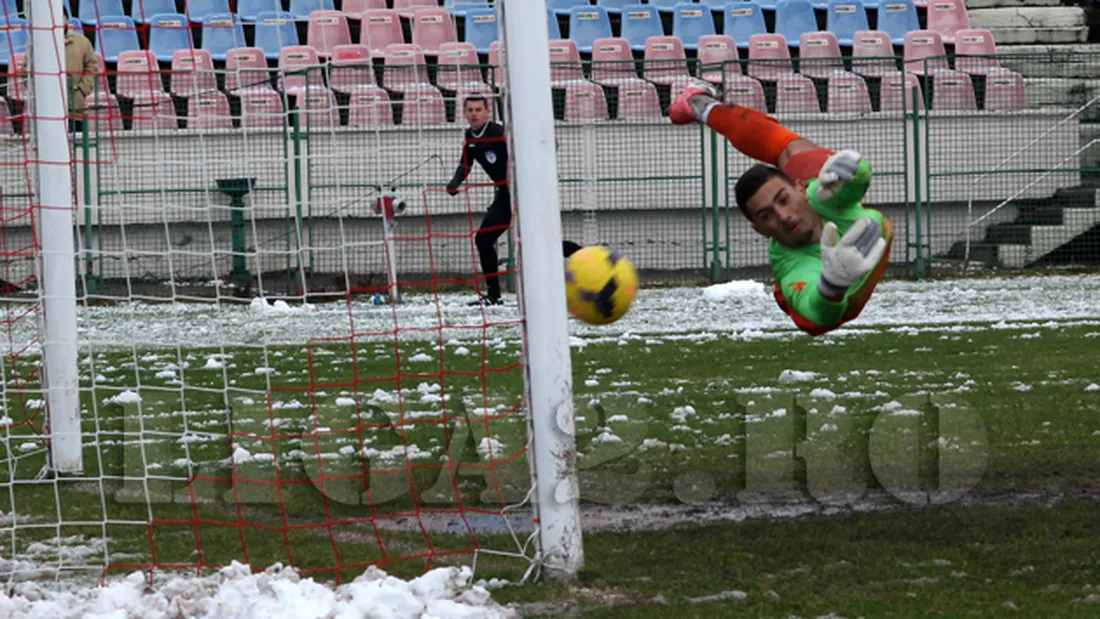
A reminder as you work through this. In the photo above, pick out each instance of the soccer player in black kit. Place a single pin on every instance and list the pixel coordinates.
(485, 142)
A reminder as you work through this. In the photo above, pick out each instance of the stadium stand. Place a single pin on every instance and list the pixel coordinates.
(13, 38)
(168, 33)
(639, 22)
(192, 73)
(613, 62)
(221, 33)
(691, 21)
(273, 32)
(586, 24)
(796, 94)
(142, 10)
(819, 54)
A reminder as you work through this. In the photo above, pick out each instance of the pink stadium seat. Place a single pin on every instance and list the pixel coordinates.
(746, 91)
(947, 17)
(317, 109)
(565, 61)
(895, 96)
(351, 68)
(584, 100)
(327, 30)
(795, 94)
(138, 74)
(261, 108)
(368, 108)
(613, 61)
(406, 8)
(102, 114)
(380, 29)
(209, 110)
(352, 7)
(299, 68)
(819, 54)
(5, 119)
(665, 61)
(153, 111)
(193, 73)
(872, 53)
(1004, 90)
(496, 69)
(720, 51)
(772, 50)
(431, 28)
(847, 92)
(638, 99)
(470, 88)
(971, 43)
(952, 90)
(17, 77)
(423, 105)
(458, 66)
(246, 69)
(403, 67)
(921, 45)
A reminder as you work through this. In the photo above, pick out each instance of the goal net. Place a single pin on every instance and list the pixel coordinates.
(272, 356)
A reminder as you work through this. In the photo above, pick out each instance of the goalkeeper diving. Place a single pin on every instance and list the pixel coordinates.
(826, 250)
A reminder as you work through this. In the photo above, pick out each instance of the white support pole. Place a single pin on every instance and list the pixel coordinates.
(549, 373)
(55, 225)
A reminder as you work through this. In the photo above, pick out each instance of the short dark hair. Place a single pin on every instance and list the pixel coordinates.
(476, 97)
(751, 182)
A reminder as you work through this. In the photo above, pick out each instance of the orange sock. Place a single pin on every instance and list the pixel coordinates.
(752, 132)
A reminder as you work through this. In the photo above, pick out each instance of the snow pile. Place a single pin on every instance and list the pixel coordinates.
(278, 592)
(740, 289)
(279, 306)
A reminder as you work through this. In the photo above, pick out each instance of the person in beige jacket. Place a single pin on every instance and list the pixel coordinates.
(82, 68)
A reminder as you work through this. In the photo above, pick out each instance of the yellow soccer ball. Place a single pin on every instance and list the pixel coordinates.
(600, 285)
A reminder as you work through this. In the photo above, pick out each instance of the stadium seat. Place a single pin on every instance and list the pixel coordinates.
(495, 75)
(327, 29)
(246, 70)
(302, 9)
(5, 118)
(275, 31)
(458, 8)
(192, 73)
(970, 46)
(637, 100)
(249, 10)
(380, 28)
(406, 8)
(742, 20)
(553, 29)
(262, 108)
(469, 89)
(209, 111)
(952, 90)
(586, 24)
(17, 86)
(370, 108)
(924, 52)
(795, 94)
(691, 21)
(769, 57)
(458, 67)
(300, 69)
(665, 61)
(101, 76)
(153, 111)
(198, 11)
(847, 92)
(13, 38)
(351, 69)
(893, 94)
(844, 19)
(116, 35)
(614, 7)
(792, 18)
(563, 7)
(423, 105)
(316, 109)
(717, 56)
(639, 22)
(584, 100)
(403, 67)
(744, 90)
(565, 61)
(101, 116)
(431, 28)
(612, 61)
(481, 28)
(221, 33)
(168, 33)
(9, 8)
(142, 10)
(93, 12)
(1004, 90)
(664, 6)
(819, 54)
(138, 73)
(352, 8)
(947, 17)
(897, 17)
(873, 53)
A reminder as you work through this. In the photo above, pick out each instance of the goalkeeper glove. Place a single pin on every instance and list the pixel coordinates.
(845, 263)
(837, 170)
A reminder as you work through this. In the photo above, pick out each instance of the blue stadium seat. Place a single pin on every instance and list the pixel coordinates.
(640, 21)
(665, 6)
(460, 8)
(247, 10)
(94, 11)
(221, 33)
(167, 33)
(13, 38)
(742, 20)
(614, 7)
(273, 32)
(8, 10)
(896, 17)
(552, 26)
(792, 18)
(142, 10)
(482, 28)
(115, 35)
(562, 7)
(691, 21)
(302, 8)
(845, 18)
(586, 24)
(198, 10)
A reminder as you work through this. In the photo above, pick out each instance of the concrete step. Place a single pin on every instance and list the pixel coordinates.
(1074, 61)
(1042, 240)
(1064, 93)
(979, 252)
(1029, 24)
(1000, 4)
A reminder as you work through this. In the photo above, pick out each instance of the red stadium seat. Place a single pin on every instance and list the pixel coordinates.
(873, 53)
(209, 110)
(17, 77)
(101, 113)
(458, 66)
(352, 7)
(138, 74)
(153, 111)
(665, 61)
(1004, 90)
(262, 108)
(370, 107)
(432, 28)
(969, 45)
(613, 61)
(565, 61)
(896, 92)
(300, 68)
(423, 105)
(584, 100)
(327, 30)
(5, 119)
(317, 109)
(380, 29)
(496, 69)
(638, 99)
(720, 51)
(403, 67)
(193, 73)
(947, 17)
(795, 94)
(351, 68)
(952, 90)
(407, 8)
(246, 69)
(746, 91)
(769, 57)
(924, 52)
(819, 55)
(847, 92)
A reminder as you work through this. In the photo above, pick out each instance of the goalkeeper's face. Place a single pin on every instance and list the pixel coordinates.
(779, 210)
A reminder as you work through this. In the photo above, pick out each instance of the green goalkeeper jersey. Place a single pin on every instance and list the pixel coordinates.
(797, 270)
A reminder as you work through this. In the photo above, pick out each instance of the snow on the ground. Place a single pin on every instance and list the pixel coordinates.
(278, 592)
